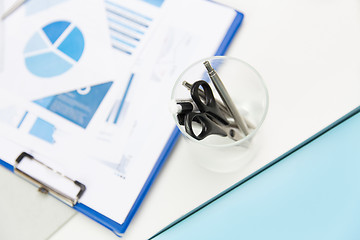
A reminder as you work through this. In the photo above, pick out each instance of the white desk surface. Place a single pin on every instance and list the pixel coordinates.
(308, 53)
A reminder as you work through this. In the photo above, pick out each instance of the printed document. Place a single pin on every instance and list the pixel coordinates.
(88, 96)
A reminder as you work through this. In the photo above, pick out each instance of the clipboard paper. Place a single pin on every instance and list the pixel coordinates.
(170, 44)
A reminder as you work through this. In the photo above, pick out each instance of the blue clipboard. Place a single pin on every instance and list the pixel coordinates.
(120, 229)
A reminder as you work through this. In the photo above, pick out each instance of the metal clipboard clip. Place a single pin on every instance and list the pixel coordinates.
(67, 190)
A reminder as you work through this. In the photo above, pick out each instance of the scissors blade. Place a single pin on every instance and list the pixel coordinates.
(12, 9)
(231, 130)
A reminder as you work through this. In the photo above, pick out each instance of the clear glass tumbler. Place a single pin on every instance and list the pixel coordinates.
(249, 94)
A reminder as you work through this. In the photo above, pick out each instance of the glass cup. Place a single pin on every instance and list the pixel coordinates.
(249, 95)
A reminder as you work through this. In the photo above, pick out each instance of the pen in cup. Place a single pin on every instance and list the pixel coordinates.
(184, 106)
(181, 108)
(240, 122)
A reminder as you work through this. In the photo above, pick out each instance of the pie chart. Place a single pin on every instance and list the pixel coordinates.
(54, 49)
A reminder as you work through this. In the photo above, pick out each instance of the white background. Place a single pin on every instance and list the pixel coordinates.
(308, 55)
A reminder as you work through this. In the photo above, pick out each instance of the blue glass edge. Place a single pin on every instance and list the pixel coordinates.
(117, 228)
(283, 156)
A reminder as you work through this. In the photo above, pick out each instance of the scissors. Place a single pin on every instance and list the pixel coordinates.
(209, 116)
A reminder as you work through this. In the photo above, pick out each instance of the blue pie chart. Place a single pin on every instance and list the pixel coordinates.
(54, 49)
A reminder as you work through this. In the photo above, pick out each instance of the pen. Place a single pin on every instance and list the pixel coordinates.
(184, 106)
(226, 98)
(13, 8)
(181, 108)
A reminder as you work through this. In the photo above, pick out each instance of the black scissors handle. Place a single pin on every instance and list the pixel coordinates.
(208, 127)
(206, 102)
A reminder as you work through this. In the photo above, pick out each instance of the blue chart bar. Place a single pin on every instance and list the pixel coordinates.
(121, 49)
(127, 18)
(22, 119)
(124, 42)
(120, 106)
(156, 3)
(43, 130)
(123, 99)
(133, 12)
(127, 26)
(124, 34)
(120, 24)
